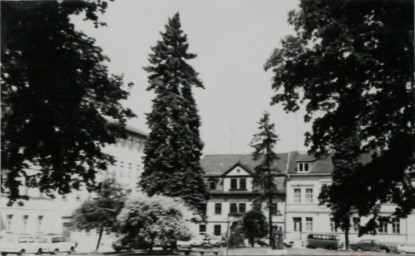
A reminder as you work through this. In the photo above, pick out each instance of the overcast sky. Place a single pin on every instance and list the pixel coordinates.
(232, 38)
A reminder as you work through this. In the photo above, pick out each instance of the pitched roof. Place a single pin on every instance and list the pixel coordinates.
(324, 164)
(217, 165)
(136, 131)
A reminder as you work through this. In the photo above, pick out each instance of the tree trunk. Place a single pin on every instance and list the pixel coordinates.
(346, 239)
(252, 241)
(271, 240)
(101, 231)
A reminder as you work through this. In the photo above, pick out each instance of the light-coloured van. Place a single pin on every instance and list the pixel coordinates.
(17, 244)
(54, 244)
(21, 243)
(328, 241)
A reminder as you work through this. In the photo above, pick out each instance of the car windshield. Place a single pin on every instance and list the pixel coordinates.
(41, 240)
(8, 239)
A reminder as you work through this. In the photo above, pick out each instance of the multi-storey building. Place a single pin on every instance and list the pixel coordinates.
(229, 179)
(42, 214)
(304, 215)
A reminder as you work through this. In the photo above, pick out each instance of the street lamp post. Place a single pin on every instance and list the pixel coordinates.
(227, 236)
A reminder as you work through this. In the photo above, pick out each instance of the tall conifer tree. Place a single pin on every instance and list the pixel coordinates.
(264, 142)
(173, 149)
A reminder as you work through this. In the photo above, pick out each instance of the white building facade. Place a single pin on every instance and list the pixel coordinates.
(44, 215)
(304, 215)
(229, 179)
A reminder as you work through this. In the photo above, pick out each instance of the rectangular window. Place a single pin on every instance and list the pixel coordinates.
(274, 209)
(39, 223)
(297, 224)
(332, 226)
(306, 167)
(309, 224)
(242, 208)
(242, 184)
(396, 226)
(309, 195)
(25, 217)
(234, 183)
(297, 195)
(202, 228)
(217, 230)
(218, 208)
(383, 226)
(356, 224)
(9, 222)
(233, 208)
(300, 167)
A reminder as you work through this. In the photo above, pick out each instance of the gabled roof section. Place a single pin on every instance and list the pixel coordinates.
(217, 165)
(236, 165)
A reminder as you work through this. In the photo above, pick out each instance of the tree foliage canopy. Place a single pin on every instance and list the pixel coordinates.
(173, 148)
(351, 63)
(56, 96)
(155, 218)
(100, 212)
(254, 225)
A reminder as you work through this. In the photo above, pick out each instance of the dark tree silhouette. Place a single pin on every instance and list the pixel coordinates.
(254, 225)
(173, 149)
(56, 97)
(264, 142)
(352, 63)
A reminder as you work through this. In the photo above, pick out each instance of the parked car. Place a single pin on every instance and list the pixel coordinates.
(406, 248)
(123, 245)
(54, 244)
(217, 241)
(327, 241)
(17, 244)
(198, 241)
(370, 245)
(128, 244)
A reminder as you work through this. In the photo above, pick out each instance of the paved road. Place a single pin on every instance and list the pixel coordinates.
(249, 251)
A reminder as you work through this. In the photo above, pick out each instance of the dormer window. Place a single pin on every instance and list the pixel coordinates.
(302, 167)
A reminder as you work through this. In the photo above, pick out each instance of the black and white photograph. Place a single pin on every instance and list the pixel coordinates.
(207, 127)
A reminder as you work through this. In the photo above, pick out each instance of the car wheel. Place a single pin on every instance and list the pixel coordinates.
(39, 252)
(72, 250)
(21, 252)
(330, 247)
(359, 249)
(56, 251)
(3, 253)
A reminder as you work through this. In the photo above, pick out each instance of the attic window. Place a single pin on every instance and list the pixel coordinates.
(302, 167)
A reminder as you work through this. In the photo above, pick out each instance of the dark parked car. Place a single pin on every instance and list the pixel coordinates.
(125, 244)
(370, 245)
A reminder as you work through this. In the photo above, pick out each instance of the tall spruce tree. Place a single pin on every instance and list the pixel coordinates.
(264, 179)
(173, 149)
(357, 55)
